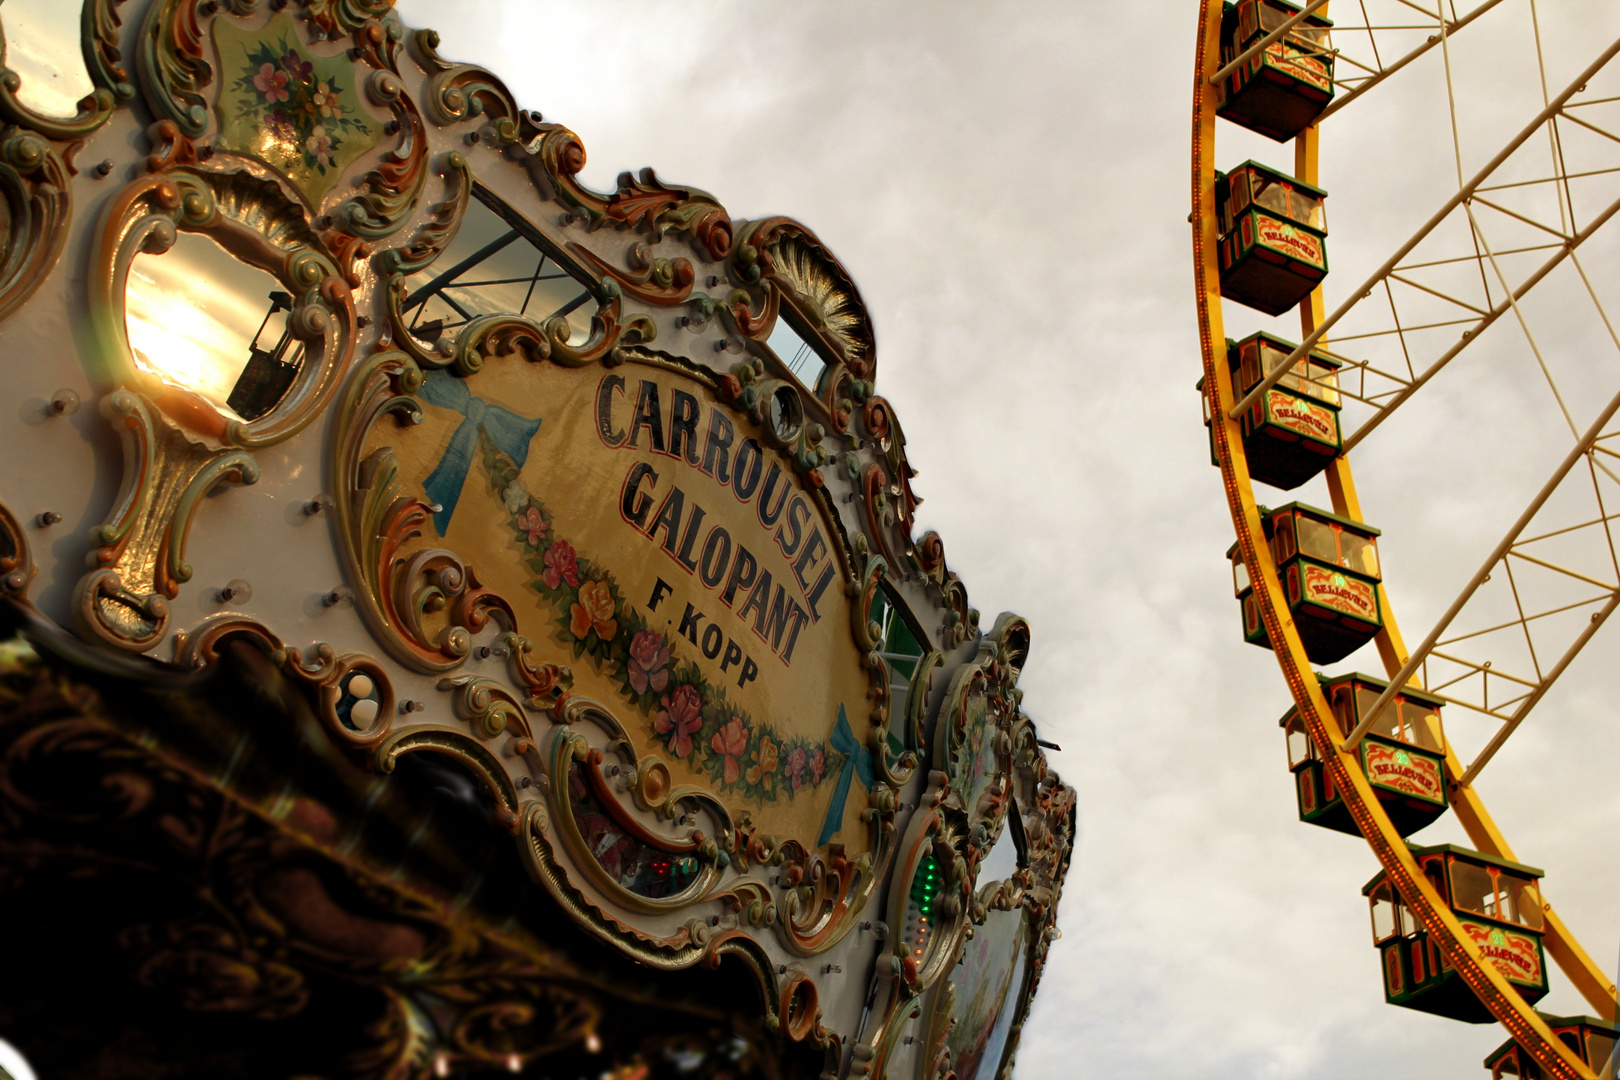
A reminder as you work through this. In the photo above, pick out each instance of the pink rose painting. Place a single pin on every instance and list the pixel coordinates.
(679, 719)
(534, 524)
(649, 662)
(818, 765)
(797, 760)
(561, 565)
(731, 743)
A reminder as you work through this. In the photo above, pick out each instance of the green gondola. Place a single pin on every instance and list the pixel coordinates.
(1499, 906)
(1329, 570)
(1292, 432)
(1402, 755)
(1273, 230)
(1590, 1039)
(1282, 89)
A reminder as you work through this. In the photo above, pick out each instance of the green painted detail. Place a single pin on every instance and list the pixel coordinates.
(299, 114)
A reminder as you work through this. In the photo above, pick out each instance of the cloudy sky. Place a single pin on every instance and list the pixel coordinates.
(1009, 186)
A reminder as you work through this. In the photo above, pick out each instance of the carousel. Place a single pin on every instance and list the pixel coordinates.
(458, 622)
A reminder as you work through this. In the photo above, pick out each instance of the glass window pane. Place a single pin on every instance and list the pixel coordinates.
(1299, 743)
(1274, 357)
(1523, 901)
(1249, 367)
(43, 46)
(201, 319)
(1324, 382)
(1473, 890)
(1420, 725)
(1271, 195)
(490, 268)
(900, 646)
(1388, 723)
(1240, 576)
(1306, 208)
(1384, 922)
(1344, 710)
(900, 650)
(797, 354)
(1358, 553)
(1240, 190)
(1310, 38)
(1598, 1048)
(1316, 540)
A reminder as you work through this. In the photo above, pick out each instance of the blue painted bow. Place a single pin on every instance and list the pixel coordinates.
(507, 430)
(857, 761)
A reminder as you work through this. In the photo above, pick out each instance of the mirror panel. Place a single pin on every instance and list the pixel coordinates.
(43, 46)
(201, 319)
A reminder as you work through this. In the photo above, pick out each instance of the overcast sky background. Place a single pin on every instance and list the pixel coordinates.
(1009, 186)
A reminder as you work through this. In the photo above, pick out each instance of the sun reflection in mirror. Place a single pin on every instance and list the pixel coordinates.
(43, 48)
(197, 316)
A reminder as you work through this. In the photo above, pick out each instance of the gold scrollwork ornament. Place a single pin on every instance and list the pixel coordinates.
(178, 446)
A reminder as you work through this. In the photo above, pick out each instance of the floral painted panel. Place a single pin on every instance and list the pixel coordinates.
(297, 112)
(989, 982)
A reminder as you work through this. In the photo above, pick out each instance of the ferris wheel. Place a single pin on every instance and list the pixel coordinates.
(1475, 149)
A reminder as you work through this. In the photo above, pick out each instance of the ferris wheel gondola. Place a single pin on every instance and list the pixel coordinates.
(1462, 932)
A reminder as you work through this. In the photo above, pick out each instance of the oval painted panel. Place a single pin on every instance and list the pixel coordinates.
(988, 981)
(646, 537)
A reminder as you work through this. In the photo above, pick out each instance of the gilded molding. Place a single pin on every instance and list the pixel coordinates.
(786, 260)
(460, 92)
(339, 17)
(140, 555)
(16, 563)
(758, 393)
(173, 70)
(178, 446)
(430, 240)
(565, 775)
(36, 204)
(100, 28)
(390, 191)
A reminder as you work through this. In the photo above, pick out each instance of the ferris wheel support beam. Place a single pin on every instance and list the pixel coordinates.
(1589, 979)
(1461, 196)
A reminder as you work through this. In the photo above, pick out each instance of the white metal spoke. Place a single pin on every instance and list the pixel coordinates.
(1385, 72)
(1581, 450)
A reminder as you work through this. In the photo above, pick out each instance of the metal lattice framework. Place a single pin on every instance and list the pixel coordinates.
(1526, 217)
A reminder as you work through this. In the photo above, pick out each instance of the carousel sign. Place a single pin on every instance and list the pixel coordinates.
(587, 499)
(675, 557)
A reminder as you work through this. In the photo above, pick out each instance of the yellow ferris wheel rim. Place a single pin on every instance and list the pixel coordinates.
(1508, 1006)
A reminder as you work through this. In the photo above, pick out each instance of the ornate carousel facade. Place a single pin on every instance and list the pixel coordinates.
(459, 622)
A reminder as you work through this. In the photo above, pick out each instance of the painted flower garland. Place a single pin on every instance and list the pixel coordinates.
(282, 92)
(691, 715)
